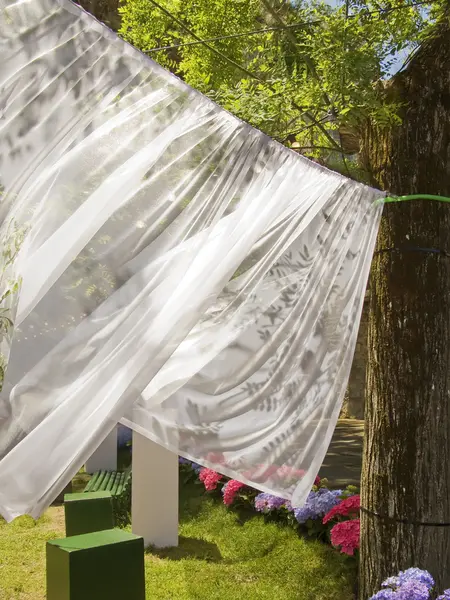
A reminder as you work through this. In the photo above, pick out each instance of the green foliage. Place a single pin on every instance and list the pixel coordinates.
(11, 241)
(309, 81)
(147, 27)
(122, 506)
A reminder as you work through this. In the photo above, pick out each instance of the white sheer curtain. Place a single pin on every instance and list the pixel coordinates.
(164, 265)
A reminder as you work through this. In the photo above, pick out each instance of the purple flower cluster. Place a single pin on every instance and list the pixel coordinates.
(318, 504)
(412, 590)
(193, 465)
(415, 574)
(386, 594)
(412, 584)
(266, 502)
(444, 596)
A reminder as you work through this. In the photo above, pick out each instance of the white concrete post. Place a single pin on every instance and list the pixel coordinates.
(154, 495)
(105, 457)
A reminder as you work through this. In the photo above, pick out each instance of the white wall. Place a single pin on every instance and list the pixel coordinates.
(154, 512)
(105, 457)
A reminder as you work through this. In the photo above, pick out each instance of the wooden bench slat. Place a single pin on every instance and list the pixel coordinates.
(117, 488)
(110, 476)
(110, 482)
(115, 482)
(97, 487)
(93, 480)
(118, 484)
(97, 478)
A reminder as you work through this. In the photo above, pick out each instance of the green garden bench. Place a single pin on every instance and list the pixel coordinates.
(118, 483)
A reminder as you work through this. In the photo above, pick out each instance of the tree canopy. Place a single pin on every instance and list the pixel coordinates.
(309, 80)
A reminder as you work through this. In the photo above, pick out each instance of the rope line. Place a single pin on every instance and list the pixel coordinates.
(414, 249)
(404, 521)
(261, 31)
(235, 35)
(306, 114)
(205, 42)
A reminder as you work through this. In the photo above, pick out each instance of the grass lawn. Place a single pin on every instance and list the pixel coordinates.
(219, 555)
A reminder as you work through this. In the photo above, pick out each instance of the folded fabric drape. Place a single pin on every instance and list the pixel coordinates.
(163, 265)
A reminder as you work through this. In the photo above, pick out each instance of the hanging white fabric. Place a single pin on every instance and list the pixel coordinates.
(164, 264)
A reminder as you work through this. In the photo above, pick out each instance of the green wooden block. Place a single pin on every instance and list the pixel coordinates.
(60, 498)
(105, 565)
(88, 512)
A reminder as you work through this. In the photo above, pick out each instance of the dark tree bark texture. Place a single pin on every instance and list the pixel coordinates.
(105, 11)
(406, 465)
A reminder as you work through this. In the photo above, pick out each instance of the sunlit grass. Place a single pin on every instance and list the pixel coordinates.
(220, 555)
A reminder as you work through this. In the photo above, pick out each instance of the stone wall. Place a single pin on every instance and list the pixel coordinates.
(353, 406)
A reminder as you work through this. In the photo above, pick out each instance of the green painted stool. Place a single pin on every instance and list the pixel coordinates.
(105, 565)
(86, 513)
(67, 490)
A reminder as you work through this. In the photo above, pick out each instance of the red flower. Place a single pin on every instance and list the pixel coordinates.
(346, 535)
(230, 490)
(210, 479)
(317, 480)
(349, 506)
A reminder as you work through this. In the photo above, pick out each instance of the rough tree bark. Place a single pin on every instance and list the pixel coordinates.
(105, 11)
(406, 464)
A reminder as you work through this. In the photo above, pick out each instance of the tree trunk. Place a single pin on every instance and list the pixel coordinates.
(406, 464)
(105, 11)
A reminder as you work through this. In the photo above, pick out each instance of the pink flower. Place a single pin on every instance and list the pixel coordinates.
(230, 490)
(260, 472)
(286, 473)
(349, 506)
(269, 471)
(346, 535)
(215, 457)
(209, 478)
(317, 480)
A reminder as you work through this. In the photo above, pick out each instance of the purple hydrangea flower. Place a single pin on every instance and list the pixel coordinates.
(317, 504)
(444, 596)
(193, 465)
(288, 506)
(418, 575)
(387, 594)
(392, 582)
(412, 590)
(267, 502)
(412, 584)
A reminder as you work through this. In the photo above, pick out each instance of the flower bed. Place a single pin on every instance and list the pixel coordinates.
(330, 515)
(412, 584)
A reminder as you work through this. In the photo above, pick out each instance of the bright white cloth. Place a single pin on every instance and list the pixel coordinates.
(164, 264)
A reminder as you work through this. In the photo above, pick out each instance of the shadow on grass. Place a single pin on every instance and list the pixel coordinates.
(189, 548)
(192, 501)
(243, 514)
